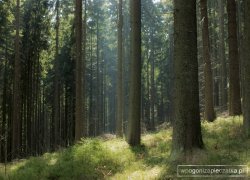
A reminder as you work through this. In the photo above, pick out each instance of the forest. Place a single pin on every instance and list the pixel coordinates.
(124, 89)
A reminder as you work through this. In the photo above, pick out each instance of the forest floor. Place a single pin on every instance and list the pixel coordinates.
(112, 158)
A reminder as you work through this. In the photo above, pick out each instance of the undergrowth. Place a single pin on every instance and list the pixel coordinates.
(114, 159)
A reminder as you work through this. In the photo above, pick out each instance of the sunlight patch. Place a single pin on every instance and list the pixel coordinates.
(116, 145)
(16, 165)
(52, 161)
(152, 173)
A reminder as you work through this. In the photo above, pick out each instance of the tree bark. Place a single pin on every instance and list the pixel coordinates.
(234, 73)
(152, 90)
(4, 127)
(85, 127)
(246, 63)
(134, 119)
(91, 119)
(79, 105)
(209, 103)
(57, 85)
(187, 126)
(16, 122)
(119, 121)
(97, 89)
(223, 70)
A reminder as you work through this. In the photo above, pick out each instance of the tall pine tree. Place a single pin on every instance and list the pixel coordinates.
(187, 125)
(134, 117)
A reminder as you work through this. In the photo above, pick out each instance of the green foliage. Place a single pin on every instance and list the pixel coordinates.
(114, 159)
(225, 144)
(89, 159)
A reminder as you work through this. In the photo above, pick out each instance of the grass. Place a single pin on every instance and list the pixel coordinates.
(114, 159)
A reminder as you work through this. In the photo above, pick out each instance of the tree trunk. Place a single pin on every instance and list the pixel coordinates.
(134, 128)
(234, 74)
(16, 131)
(57, 85)
(97, 89)
(4, 127)
(152, 90)
(187, 125)
(223, 65)
(209, 103)
(170, 104)
(79, 105)
(246, 63)
(85, 127)
(91, 119)
(147, 115)
(119, 121)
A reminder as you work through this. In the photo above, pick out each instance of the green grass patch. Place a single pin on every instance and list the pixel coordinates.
(96, 158)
